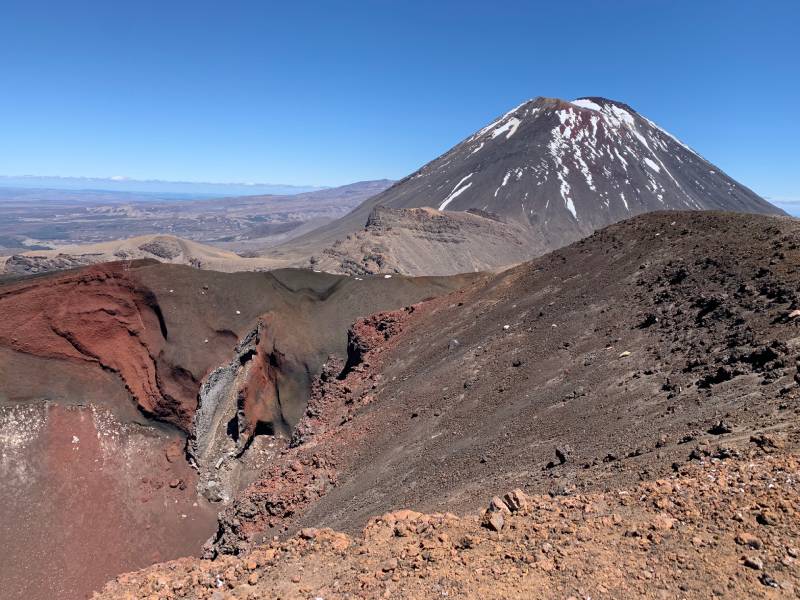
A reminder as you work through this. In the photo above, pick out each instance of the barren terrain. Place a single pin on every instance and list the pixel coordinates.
(426, 241)
(660, 350)
(101, 372)
(717, 529)
(551, 171)
(163, 248)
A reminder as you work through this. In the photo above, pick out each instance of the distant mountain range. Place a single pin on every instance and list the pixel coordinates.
(164, 189)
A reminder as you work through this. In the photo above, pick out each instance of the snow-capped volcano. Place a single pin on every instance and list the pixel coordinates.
(588, 162)
(562, 170)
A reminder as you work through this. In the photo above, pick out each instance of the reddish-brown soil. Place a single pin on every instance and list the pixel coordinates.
(718, 529)
(85, 497)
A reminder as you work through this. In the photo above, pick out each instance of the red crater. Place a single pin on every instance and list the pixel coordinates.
(102, 316)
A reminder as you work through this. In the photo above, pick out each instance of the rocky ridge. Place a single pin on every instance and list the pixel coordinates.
(163, 248)
(597, 365)
(425, 241)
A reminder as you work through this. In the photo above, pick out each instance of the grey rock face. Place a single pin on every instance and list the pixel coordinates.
(20, 264)
(211, 447)
(421, 241)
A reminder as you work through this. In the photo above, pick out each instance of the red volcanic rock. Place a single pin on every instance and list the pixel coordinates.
(102, 316)
(258, 398)
(370, 333)
(306, 470)
(174, 451)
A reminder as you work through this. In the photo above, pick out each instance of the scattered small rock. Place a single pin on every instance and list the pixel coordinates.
(753, 562)
(516, 500)
(766, 441)
(765, 579)
(767, 517)
(663, 523)
(389, 565)
(496, 504)
(493, 521)
(749, 540)
(720, 427)
(309, 533)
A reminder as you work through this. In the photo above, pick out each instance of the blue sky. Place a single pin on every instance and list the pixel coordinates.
(325, 93)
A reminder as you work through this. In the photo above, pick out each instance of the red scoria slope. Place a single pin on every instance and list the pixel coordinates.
(162, 328)
(719, 529)
(94, 361)
(101, 315)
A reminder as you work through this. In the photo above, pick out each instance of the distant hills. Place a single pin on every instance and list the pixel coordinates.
(41, 219)
(152, 186)
(539, 177)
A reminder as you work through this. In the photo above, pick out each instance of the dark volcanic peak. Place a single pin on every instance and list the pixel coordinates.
(561, 170)
(578, 165)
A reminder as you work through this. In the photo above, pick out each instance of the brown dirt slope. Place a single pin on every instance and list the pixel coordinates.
(725, 529)
(426, 241)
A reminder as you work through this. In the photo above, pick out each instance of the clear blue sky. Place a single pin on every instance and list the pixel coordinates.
(330, 92)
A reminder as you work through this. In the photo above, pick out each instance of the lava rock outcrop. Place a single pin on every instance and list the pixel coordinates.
(102, 316)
